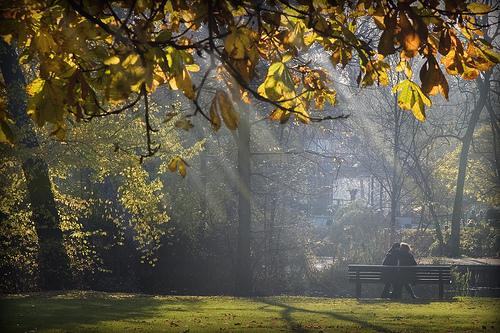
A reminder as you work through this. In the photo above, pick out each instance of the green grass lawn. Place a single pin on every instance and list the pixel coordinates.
(103, 312)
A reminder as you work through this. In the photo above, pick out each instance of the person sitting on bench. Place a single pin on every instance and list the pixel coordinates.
(405, 258)
(390, 259)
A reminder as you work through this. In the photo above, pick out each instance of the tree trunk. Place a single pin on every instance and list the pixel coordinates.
(395, 173)
(495, 132)
(244, 275)
(454, 244)
(423, 182)
(53, 262)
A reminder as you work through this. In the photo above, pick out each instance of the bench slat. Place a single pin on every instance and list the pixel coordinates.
(435, 282)
(392, 278)
(406, 268)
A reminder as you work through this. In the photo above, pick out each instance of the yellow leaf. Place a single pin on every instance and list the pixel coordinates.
(478, 8)
(183, 81)
(488, 51)
(182, 167)
(411, 43)
(177, 163)
(7, 38)
(295, 36)
(238, 44)
(278, 84)
(279, 115)
(412, 98)
(286, 58)
(172, 165)
(193, 68)
(225, 107)
(113, 60)
(131, 59)
(35, 86)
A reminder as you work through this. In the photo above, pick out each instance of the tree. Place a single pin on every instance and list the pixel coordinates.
(52, 257)
(484, 86)
(456, 218)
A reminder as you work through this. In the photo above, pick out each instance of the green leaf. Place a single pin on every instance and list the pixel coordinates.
(278, 84)
(46, 103)
(164, 35)
(412, 98)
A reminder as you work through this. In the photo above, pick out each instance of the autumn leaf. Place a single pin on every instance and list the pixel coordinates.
(238, 44)
(46, 102)
(433, 79)
(280, 115)
(163, 36)
(183, 81)
(444, 42)
(488, 51)
(172, 165)
(229, 116)
(113, 60)
(477, 59)
(386, 43)
(278, 83)
(295, 36)
(182, 167)
(178, 164)
(373, 71)
(214, 115)
(184, 123)
(412, 98)
(478, 8)
(341, 54)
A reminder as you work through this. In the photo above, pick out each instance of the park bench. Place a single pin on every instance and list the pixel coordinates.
(420, 274)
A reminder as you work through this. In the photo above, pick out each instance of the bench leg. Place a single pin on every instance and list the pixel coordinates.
(441, 290)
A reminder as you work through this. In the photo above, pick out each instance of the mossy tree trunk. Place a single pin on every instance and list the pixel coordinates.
(53, 262)
(457, 214)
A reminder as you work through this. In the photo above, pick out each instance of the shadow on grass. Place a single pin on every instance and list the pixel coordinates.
(294, 326)
(22, 314)
(403, 301)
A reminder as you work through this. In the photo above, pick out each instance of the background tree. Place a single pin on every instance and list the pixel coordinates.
(107, 57)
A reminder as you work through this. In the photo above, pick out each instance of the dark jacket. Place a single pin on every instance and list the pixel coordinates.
(406, 259)
(391, 258)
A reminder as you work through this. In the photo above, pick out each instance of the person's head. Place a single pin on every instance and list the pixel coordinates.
(404, 247)
(395, 246)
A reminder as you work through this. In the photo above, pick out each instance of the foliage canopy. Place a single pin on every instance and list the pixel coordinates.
(95, 58)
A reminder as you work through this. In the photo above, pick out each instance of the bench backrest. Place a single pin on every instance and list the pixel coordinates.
(382, 273)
